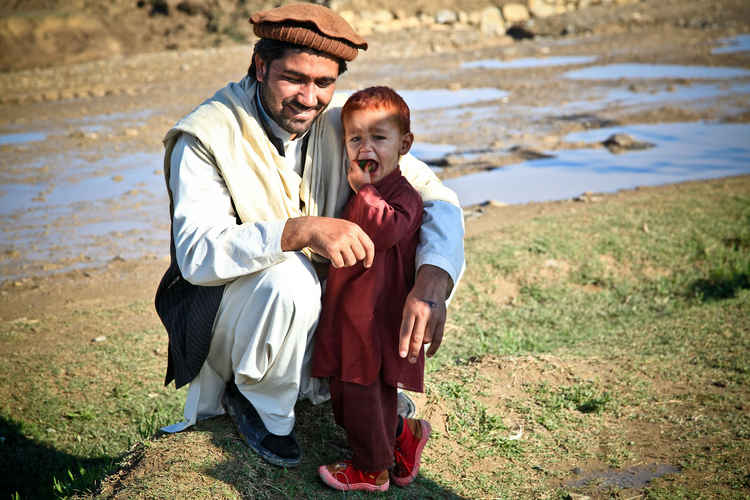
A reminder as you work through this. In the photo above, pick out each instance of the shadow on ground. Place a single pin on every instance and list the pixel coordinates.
(35, 470)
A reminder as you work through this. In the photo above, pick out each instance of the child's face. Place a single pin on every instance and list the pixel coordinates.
(373, 135)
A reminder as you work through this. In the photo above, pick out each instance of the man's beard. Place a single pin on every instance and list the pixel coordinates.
(289, 125)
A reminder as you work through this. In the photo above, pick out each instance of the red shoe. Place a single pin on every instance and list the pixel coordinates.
(343, 476)
(409, 446)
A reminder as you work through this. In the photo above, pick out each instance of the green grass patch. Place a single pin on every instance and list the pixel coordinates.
(628, 343)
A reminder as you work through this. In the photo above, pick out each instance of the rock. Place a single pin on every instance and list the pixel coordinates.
(492, 22)
(190, 7)
(620, 143)
(575, 496)
(382, 16)
(475, 17)
(515, 13)
(470, 215)
(540, 8)
(519, 32)
(81, 134)
(446, 16)
(529, 153)
(494, 203)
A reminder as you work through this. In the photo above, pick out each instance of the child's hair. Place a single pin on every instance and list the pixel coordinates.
(380, 97)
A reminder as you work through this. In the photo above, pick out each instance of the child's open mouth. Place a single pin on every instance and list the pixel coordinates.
(369, 166)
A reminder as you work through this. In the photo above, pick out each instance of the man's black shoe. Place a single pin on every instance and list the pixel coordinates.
(283, 451)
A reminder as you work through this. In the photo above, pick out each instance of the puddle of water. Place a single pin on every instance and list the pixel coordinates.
(653, 71)
(24, 137)
(431, 153)
(529, 62)
(420, 100)
(684, 151)
(636, 477)
(82, 215)
(740, 43)
(622, 97)
(136, 171)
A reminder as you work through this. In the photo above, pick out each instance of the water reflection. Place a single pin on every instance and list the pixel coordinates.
(529, 62)
(625, 97)
(740, 43)
(654, 71)
(684, 151)
(420, 100)
(21, 138)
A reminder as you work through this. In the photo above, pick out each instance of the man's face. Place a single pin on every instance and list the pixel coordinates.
(297, 87)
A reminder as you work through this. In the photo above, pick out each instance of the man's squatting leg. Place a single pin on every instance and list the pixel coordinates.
(263, 337)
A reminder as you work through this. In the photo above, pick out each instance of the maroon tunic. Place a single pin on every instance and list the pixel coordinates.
(358, 332)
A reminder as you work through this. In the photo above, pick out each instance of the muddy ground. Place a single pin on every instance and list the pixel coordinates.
(102, 122)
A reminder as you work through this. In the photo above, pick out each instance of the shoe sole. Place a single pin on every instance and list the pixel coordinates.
(406, 481)
(266, 455)
(334, 483)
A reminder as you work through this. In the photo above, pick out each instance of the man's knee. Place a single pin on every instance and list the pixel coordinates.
(295, 285)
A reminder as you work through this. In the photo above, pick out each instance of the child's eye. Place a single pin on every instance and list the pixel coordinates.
(379, 137)
(353, 139)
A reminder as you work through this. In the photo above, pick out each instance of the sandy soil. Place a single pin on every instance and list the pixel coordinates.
(93, 114)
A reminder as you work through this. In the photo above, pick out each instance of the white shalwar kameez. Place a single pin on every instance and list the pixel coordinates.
(269, 310)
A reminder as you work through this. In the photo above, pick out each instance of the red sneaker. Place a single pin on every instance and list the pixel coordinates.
(343, 476)
(409, 446)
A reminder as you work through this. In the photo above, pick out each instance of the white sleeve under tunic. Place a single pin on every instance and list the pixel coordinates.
(212, 249)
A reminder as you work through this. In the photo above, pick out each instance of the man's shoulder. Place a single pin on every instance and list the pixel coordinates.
(405, 188)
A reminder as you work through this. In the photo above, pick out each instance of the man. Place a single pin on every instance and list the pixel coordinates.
(257, 182)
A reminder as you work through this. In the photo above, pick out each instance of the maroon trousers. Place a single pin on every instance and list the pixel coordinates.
(369, 415)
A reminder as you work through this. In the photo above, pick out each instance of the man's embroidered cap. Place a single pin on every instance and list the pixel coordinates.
(309, 25)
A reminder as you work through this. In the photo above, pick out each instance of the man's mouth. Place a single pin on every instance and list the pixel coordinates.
(369, 166)
(303, 112)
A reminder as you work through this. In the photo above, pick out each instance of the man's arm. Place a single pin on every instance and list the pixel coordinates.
(440, 262)
(212, 248)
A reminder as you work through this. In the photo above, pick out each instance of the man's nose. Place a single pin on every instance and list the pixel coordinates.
(306, 95)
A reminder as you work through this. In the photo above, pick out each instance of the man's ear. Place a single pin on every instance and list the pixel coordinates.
(406, 141)
(260, 68)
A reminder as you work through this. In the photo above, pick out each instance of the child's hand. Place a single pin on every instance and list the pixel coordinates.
(356, 176)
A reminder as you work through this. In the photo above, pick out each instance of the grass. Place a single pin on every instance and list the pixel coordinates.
(70, 412)
(628, 344)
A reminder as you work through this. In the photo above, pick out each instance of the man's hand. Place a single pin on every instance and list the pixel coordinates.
(424, 313)
(341, 241)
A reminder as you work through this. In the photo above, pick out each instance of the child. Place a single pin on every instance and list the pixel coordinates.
(356, 342)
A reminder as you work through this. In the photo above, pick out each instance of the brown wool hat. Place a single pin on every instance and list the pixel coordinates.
(309, 25)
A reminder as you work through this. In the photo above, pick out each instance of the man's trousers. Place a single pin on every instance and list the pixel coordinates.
(262, 337)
